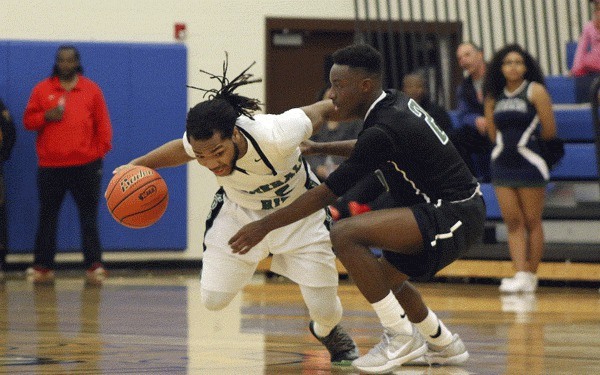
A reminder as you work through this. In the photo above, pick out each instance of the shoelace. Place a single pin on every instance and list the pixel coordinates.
(385, 340)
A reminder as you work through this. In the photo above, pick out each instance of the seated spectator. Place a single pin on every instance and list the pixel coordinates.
(587, 55)
(415, 86)
(586, 63)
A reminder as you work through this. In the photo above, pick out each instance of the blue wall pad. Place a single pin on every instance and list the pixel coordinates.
(145, 89)
(561, 89)
(575, 124)
(579, 163)
(571, 48)
(454, 118)
(491, 202)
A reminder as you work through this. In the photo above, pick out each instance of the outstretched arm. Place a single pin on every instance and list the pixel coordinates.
(171, 154)
(308, 203)
(320, 112)
(339, 148)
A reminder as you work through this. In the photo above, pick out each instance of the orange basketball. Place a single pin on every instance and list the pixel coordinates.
(137, 197)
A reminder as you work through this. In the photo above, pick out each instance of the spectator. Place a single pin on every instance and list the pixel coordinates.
(470, 137)
(587, 54)
(518, 111)
(415, 86)
(7, 141)
(69, 114)
(323, 165)
(586, 63)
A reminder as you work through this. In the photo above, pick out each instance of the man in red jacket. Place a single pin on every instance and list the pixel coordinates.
(69, 114)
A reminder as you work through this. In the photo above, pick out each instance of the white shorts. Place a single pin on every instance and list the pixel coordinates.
(301, 251)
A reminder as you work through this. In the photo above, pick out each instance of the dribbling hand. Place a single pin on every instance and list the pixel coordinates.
(123, 167)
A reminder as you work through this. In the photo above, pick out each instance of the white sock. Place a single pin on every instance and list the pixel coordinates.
(392, 315)
(434, 330)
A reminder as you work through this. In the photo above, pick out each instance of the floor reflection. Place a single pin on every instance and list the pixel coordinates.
(154, 323)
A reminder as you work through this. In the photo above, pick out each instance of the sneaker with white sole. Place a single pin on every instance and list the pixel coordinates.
(39, 275)
(96, 274)
(454, 353)
(393, 351)
(523, 281)
(340, 345)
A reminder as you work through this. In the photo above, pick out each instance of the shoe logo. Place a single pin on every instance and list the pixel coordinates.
(257, 160)
(393, 354)
(438, 333)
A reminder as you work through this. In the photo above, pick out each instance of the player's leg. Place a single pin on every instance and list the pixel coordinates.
(391, 229)
(223, 273)
(325, 311)
(302, 252)
(418, 242)
(216, 288)
(352, 239)
(444, 348)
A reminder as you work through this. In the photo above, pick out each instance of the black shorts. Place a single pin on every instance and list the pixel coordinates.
(449, 229)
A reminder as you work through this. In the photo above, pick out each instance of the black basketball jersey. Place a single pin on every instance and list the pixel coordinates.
(418, 160)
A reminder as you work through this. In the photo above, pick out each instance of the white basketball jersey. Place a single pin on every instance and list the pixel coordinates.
(272, 173)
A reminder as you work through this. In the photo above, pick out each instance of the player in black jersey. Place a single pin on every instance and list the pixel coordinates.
(439, 211)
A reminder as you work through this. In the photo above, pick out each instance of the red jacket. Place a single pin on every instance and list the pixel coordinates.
(83, 135)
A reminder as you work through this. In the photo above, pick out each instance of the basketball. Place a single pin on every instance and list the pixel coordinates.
(137, 197)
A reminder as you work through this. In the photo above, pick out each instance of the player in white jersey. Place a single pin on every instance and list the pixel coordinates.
(258, 164)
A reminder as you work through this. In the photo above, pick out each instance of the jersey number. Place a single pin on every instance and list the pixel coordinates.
(418, 111)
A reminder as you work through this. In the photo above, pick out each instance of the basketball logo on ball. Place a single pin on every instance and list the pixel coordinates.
(137, 197)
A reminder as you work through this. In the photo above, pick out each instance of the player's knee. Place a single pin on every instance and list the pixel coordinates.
(324, 306)
(215, 301)
(342, 233)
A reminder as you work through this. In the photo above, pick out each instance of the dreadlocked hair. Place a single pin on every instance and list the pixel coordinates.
(220, 112)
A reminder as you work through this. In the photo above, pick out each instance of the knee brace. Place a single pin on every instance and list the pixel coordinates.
(324, 306)
(215, 301)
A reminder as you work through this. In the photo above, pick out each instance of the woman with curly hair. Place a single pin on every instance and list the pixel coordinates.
(518, 111)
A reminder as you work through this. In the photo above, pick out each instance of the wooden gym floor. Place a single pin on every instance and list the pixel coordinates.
(152, 322)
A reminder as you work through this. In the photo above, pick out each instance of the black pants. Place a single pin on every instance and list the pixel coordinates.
(84, 184)
(3, 220)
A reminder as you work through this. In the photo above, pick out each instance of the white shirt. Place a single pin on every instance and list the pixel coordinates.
(279, 138)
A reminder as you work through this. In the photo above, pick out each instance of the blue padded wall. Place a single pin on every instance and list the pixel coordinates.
(578, 164)
(561, 89)
(144, 87)
(575, 124)
(571, 48)
(491, 202)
